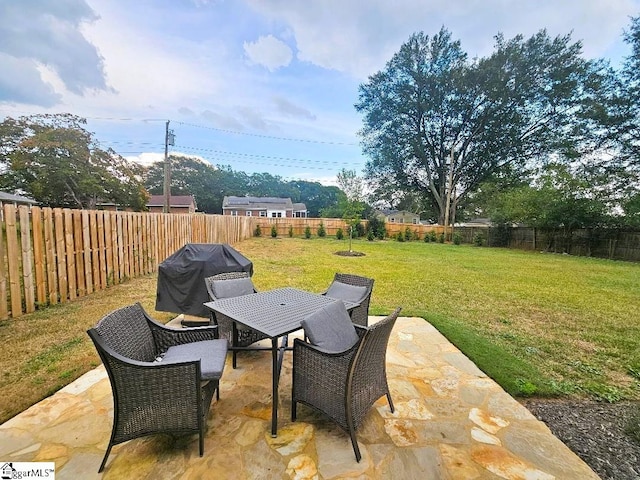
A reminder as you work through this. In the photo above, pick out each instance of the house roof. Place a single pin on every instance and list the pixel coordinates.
(257, 203)
(391, 211)
(299, 207)
(174, 201)
(9, 197)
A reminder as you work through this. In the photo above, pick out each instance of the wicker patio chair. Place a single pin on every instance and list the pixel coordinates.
(244, 336)
(163, 379)
(344, 385)
(360, 314)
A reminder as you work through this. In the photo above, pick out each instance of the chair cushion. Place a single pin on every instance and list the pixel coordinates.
(349, 293)
(212, 355)
(234, 287)
(330, 328)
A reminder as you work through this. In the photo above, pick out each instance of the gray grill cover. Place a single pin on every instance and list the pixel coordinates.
(181, 287)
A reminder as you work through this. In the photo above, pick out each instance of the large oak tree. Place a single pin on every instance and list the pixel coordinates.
(438, 124)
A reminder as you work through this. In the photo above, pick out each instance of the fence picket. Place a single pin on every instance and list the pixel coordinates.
(13, 260)
(4, 311)
(27, 260)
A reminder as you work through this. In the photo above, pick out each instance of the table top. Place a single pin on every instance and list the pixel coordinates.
(274, 312)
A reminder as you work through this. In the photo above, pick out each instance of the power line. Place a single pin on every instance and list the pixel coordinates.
(266, 136)
(268, 157)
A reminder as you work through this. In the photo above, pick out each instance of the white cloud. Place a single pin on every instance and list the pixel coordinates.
(47, 34)
(269, 52)
(289, 108)
(359, 38)
(149, 158)
(22, 83)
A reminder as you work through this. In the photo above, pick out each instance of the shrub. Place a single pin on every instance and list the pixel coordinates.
(432, 236)
(427, 238)
(321, 231)
(441, 238)
(416, 235)
(525, 387)
(257, 232)
(457, 239)
(400, 237)
(274, 231)
(370, 236)
(407, 234)
(339, 234)
(376, 226)
(478, 239)
(307, 232)
(290, 231)
(358, 230)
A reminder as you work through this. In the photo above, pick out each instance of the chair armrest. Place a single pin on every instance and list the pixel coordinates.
(166, 337)
(147, 394)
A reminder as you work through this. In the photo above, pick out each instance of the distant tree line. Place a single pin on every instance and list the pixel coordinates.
(57, 162)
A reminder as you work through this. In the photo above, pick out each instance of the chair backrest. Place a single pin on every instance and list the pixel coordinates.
(368, 366)
(211, 282)
(373, 346)
(127, 332)
(360, 314)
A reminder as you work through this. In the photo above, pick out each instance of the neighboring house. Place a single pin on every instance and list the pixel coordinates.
(476, 222)
(16, 199)
(177, 204)
(266, 207)
(399, 216)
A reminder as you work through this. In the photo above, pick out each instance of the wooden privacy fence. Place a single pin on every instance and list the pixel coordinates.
(298, 225)
(331, 226)
(50, 256)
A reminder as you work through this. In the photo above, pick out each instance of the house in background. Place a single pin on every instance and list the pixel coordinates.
(265, 207)
(16, 200)
(399, 216)
(177, 204)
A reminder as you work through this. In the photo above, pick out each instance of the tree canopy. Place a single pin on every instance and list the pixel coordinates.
(439, 124)
(209, 184)
(57, 162)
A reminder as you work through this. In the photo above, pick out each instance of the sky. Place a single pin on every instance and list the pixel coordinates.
(259, 85)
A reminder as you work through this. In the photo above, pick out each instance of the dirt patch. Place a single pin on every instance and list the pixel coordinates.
(347, 253)
(596, 433)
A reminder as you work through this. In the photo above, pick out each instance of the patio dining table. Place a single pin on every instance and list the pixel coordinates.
(276, 313)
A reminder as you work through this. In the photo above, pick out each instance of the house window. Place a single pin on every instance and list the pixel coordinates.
(248, 213)
(276, 214)
(263, 213)
(392, 220)
(234, 213)
(415, 221)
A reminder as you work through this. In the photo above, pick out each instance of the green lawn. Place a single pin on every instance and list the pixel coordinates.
(539, 324)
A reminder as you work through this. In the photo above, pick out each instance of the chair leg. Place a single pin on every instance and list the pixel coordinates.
(390, 401)
(294, 410)
(201, 440)
(354, 443)
(234, 342)
(104, 460)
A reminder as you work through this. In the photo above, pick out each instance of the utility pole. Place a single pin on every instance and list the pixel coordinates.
(169, 139)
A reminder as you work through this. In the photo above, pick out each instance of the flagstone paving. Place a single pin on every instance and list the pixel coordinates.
(451, 422)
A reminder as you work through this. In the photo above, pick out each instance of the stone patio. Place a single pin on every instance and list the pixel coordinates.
(451, 422)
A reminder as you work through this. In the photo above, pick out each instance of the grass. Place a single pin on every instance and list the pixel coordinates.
(539, 324)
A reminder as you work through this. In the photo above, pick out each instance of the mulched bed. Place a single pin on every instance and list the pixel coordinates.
(347, 253)
(595, 432)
